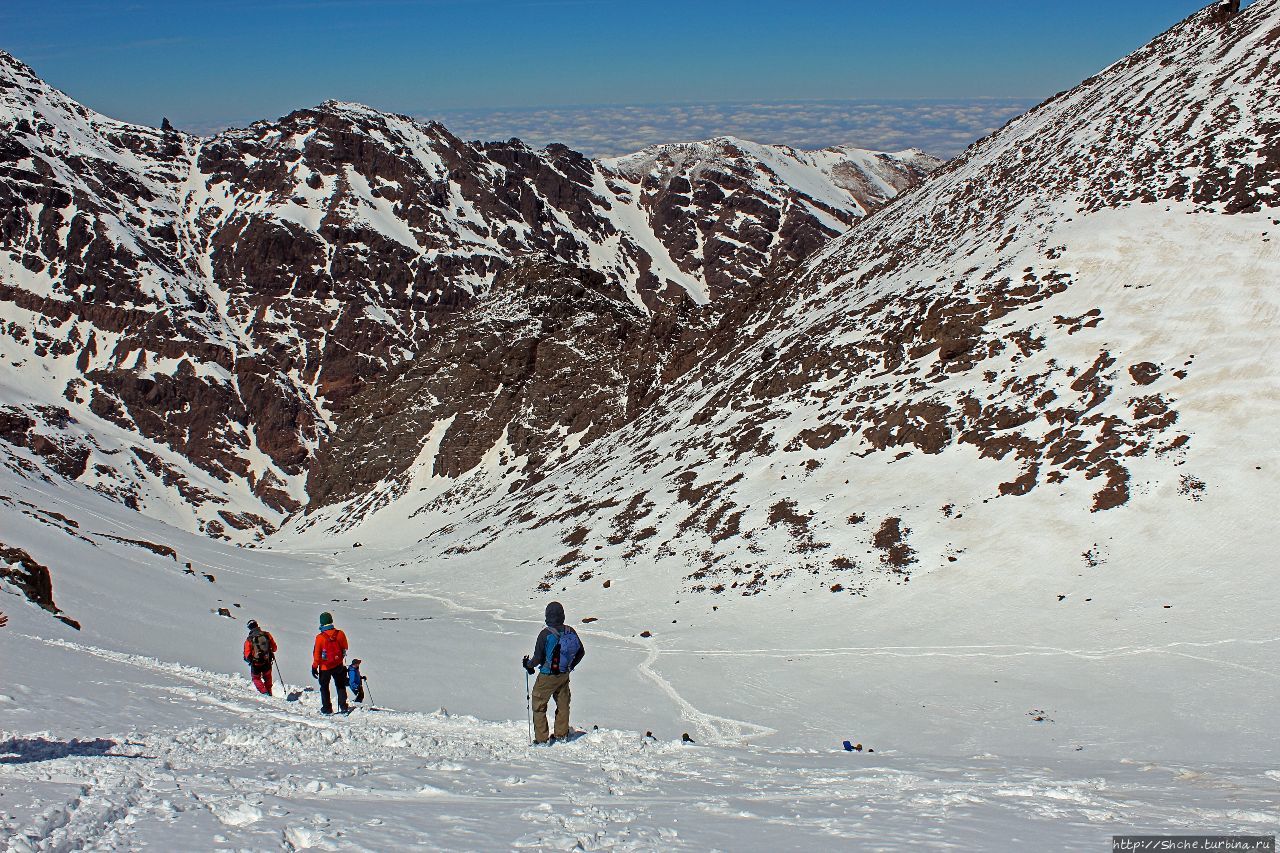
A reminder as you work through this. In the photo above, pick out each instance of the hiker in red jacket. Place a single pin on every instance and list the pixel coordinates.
(327, 665)
(260, 654)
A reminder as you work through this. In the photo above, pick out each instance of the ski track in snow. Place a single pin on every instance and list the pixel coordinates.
(710, 728)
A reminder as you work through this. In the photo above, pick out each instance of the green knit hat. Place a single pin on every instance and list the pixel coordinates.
(326, 618)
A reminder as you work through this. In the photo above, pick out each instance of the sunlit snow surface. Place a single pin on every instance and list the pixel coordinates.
(143, 729)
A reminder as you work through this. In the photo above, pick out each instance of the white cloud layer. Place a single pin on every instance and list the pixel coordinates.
(943, 128)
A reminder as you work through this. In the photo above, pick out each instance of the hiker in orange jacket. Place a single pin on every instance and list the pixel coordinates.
(260, 654)
(327, 665)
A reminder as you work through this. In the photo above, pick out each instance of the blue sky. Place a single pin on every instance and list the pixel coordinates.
(206, 65)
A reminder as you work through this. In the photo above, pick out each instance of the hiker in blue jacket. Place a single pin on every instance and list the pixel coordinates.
(355, 681)
(555, 654)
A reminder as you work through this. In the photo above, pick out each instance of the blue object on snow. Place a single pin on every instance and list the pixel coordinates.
(848, 747)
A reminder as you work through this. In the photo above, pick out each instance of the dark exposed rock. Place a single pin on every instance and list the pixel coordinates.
(891, 539)
(32, 579)
(549, 351)
(1144, 373)
(64, 454)
(162, 550)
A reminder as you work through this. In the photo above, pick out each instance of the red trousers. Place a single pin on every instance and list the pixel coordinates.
(262, 681)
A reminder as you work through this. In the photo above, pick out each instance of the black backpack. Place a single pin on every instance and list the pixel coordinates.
(261, 645)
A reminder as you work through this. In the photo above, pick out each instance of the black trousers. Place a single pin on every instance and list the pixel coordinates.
(338, 675)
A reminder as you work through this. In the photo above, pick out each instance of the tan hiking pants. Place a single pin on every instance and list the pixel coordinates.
(546, 687)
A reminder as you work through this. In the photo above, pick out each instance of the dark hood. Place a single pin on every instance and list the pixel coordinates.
(555, 615)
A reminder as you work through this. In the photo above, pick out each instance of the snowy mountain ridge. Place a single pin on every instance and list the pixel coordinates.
(186, 316)
(829, 176)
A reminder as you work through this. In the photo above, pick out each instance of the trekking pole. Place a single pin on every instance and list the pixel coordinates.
(528, 701)
(368, 689)
(280, 675)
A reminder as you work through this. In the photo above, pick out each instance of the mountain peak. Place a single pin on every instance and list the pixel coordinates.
(17, 75)
(11, 64)
(353, 108)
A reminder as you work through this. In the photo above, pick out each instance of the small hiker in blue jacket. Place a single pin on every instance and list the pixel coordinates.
(557, 651)
(355, 681)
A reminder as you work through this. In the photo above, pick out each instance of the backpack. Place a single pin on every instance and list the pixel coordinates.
(331, 651)
(565, 651)
(261, 645)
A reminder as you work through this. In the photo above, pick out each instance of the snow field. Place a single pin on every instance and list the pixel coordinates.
(198, 756)
(143, 728)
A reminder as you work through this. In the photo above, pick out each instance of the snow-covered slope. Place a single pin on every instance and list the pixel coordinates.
(1011, 436)
(986, 486)
(1055, 729)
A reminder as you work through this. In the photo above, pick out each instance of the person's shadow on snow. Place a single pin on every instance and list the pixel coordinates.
(31, 750)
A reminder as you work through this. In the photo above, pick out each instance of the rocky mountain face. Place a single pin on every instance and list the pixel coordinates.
(550, 358)
(1052, 353)
(714, 204)
(183, 319)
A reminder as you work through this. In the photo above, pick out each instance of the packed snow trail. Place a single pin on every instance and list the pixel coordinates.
(140, 752)
(710, 728)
